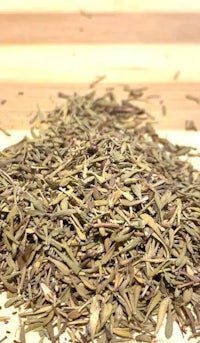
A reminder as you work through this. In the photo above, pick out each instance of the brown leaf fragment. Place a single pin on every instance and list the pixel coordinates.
(94, 317)
(162, 313)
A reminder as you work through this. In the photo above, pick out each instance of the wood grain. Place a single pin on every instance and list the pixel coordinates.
(99, 28)
(49, 46)
(118, 63)
(100, 5)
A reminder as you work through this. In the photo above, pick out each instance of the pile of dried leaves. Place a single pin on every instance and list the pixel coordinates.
(100, 225)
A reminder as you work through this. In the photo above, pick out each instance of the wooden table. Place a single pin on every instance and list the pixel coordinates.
(50, 46)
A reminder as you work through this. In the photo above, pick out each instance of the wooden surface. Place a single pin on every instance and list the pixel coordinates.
(79, 28)
(50, 46)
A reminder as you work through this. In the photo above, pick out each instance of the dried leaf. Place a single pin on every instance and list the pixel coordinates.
(162, 313)
(106, 313)
(94, 317)
(169, 324)
(123, 332)
(49, 295)
(153, 303)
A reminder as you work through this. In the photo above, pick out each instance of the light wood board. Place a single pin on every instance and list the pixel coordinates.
(47, 46)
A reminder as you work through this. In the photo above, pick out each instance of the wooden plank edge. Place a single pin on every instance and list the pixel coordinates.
(99, 28)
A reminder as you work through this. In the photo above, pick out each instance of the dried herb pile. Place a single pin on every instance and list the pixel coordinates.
(100, 225)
